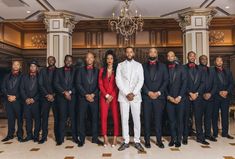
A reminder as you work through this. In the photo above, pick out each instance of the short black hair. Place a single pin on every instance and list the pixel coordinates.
(202, 56)
(68, 56)
(129, 47)
(219, 57)
(191, 52)
(89, 52)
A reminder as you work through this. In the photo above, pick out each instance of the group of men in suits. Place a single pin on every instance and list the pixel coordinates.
(185, 91)
(182, 90)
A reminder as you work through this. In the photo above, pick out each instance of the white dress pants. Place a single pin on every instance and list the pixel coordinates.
(135, 111)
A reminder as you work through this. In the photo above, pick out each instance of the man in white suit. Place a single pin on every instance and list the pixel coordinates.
(129, 80)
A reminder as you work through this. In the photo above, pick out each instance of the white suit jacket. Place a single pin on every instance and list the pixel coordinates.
(129, 79)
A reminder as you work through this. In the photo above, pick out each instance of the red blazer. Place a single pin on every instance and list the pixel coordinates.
(107, 86)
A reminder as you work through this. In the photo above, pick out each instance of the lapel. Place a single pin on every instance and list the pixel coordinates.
(190, 73)
(132, 71)
(156, 72)
(47, 75)
(221, 77)
(33, 83)
(174, 73)
(91, 78)
(63, 74)
(197, 75)
(125, 72)
(67, 82)
(12, 81)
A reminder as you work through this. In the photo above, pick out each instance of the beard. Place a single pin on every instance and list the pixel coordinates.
(171, 62)
(152, 58)
(129, 58)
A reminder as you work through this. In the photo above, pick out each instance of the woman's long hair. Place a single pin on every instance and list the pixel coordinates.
(105, 65)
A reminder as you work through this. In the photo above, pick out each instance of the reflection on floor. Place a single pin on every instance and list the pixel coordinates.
(223, 149)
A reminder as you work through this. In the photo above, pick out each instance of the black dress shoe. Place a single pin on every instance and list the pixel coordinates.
(147, 145)
(123, 147)
(35, 139)
(80, 143)
(42, 141)
(139, 147)
(171, 143)
(75, 140)
(215, 136)
(20, 139)
(178, 144)
(160, 145)
(27, 139)
(97, 141)
(204, 142)
(185, 142)
(7, 138)
(211, 138)
(228, 136)
(58, 143)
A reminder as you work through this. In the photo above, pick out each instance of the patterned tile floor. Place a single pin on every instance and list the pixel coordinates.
(223, 149)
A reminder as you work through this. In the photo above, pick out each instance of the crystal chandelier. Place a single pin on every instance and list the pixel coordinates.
(126, 23)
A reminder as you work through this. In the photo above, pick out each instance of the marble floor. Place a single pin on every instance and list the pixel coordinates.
(223, 149)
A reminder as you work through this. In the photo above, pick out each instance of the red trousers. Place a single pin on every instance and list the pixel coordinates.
(104, 109)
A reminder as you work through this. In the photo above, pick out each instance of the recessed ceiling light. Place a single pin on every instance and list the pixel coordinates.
(28, 11)
(227, 7)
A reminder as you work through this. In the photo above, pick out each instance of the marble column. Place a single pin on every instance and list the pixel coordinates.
(195, 27)
(59, 27)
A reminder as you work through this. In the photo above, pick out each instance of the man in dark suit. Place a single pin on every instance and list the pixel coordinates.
(208, 95)
(65, 92)
(30, 94)
(88, 96)
(154, 88)
(224, 82)
(46, 77)
(195, 89)
(176, 94)
(11, 92)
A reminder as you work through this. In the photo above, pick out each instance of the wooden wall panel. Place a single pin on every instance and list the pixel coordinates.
(78, 39)
(1, 31)
(12, 36)
(142, 39)
(174, 38)
(110, 39)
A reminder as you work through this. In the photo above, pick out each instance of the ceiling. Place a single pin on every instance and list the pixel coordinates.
(101, 9)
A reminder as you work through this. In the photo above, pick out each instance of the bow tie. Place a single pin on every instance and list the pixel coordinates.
(32, 74)
(220, 69)
(152, 62)
(205, 68)
(171, 66)
(15, 73)
(67, 68)
(89, 67)
(51, 68)
(192, 65)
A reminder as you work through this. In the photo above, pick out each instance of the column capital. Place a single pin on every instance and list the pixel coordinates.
(185, 18)
(69, 21)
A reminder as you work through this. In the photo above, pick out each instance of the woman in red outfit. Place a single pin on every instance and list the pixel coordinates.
(108, 95)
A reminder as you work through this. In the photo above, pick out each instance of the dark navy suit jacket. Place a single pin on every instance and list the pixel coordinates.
(177, 82)
(195, 82)
(159, 81)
